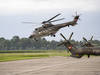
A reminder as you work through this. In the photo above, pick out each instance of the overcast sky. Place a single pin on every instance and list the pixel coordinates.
(14, 12)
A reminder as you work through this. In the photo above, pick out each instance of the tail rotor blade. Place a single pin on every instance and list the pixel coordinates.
(70, 36)
(76, 13)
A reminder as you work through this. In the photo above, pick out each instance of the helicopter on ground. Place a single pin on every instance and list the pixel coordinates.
(86, 49)
(50, 29)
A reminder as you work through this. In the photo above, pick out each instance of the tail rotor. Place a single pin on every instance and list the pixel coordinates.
(76, 17)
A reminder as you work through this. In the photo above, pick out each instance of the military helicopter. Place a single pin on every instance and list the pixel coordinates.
(86, 49)
(50, 29)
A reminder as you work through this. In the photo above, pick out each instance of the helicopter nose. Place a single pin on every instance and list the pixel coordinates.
(31, 36)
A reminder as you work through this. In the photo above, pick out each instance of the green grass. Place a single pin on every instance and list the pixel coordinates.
(25, 51)
(11, 56)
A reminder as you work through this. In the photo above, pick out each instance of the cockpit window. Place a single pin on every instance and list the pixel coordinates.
(36, 29)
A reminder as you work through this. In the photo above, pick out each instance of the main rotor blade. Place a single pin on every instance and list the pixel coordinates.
(57, 20)
(85, 39)
(91, 38)
(70, 36)
(60, 44)
(63, 36)
(28, 22)
(53, 17)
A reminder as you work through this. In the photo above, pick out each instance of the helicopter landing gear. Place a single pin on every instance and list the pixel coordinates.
(53, 35)
(88, 56)
(35, 39)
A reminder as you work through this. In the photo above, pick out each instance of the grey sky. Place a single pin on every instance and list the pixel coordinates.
(13, 12)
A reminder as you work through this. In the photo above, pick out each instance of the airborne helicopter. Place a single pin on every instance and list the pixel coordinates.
(86, 49)
(50, 29)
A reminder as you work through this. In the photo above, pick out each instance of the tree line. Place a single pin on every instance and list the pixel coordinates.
(17, 43)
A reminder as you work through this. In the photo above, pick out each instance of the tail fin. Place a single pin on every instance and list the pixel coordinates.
(76, 18)
(74, 22)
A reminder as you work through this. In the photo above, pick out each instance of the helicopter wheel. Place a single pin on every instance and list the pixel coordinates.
(54, 35)
(35, 39)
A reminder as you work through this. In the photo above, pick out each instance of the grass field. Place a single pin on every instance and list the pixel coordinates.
(12, 55)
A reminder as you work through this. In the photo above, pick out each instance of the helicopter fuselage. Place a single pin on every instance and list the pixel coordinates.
(46, 31)
(50, 30)
(79, 52)
(84, 49)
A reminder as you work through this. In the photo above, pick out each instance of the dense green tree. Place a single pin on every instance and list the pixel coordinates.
(17, 43)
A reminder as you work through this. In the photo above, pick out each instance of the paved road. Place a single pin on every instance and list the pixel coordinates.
(52, 66)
